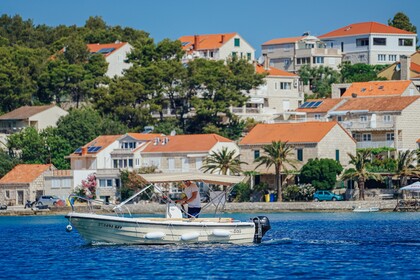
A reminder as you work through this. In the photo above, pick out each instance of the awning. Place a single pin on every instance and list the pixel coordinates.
(225, 180)
(411, 188)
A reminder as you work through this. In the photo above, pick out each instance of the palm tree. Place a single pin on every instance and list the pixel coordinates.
(277, 154)
(405, 166)
(359, 172)
(223, 161)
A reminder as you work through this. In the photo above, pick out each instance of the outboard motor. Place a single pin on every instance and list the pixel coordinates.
(262, 225)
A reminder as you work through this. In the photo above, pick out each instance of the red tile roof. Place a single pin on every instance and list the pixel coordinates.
(305, 132)
(144, 136)
(378, 104)
(185, 143)
(25, 112)
(273, 71)
(102, 141)
(377, 88)
(326, 105)
(364, 28)
(25, 173)
(414, 67)
(280, 41)
(93, 48)
(206, 41)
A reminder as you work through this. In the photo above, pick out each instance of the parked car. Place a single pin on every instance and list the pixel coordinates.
(50, 200)
(321, 195)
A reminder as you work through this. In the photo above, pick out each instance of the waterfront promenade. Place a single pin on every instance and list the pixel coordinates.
(243, 207)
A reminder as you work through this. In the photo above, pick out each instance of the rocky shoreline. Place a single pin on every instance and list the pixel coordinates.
(232, 207)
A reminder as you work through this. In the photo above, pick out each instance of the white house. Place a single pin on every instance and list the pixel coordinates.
(371, 43)
(116, 56)
(216, 47)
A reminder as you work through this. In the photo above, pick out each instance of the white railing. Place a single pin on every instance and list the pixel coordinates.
(375, 144)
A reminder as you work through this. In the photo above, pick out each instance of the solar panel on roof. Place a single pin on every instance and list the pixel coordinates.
(105, 50)
(304, 105)
(93, 149)
(316, 105)
(185, 43)
(310, 104)
(78, 151)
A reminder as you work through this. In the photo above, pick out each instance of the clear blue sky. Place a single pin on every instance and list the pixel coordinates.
(257, 21)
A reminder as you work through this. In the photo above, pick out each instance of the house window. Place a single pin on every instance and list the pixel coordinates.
(357, 137)
(337, 155)
(339, 118)
(299, 154)
(171, 163)
(115, 163)
(318, 60)
(405, 42)
(381, 57)
(387, 118)
(130, 162)
(392, 57)
(105, 183)
(7, 194)
(248, 56)
(366, 137)
(198, 163)
(256, 154)
(237, 42)
(362, 42)
(390, 137)
(303, 60)
(211, 54)
(284, 85)
(317, 116)
(234, 54)
(379, 41)
(363, 118)
(137, 162)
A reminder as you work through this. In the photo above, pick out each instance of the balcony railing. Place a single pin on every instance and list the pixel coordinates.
(367, 125)
(375, 144)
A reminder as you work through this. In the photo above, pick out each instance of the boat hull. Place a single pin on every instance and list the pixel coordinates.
(96, 228)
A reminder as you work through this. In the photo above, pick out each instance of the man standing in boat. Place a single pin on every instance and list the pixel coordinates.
(192, 198)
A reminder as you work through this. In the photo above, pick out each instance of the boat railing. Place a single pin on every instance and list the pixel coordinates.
(90, 202)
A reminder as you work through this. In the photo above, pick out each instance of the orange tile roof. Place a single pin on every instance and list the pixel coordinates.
(25, 173)
(326, 105)
(377, 88)
(304, 132)
(93, 48)
(283, 41)
(144, 136)
(185, 143)
(364, 28)
(414, 67)
(378, 104)
(206, 41)
(102, 141)
(25, 112)
(273, 71)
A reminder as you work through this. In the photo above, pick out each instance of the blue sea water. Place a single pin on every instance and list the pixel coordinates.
(299, 246)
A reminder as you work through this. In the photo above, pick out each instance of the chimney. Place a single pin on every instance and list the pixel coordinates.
(405, 62)
(84, 151)
(222, 40)
(266, 61)
(196, 41)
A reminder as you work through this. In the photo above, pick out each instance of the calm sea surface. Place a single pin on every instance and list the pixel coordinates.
(299, 245)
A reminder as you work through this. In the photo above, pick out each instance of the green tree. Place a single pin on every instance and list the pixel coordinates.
(319, 78)
(406, 166)
(360, 72)
(402, 21)
(321, 173)
(278, 154)
(223, 161)
(7, 162)
(360, 172)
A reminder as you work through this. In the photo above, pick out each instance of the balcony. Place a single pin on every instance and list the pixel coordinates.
(375, 144)
(358, 125)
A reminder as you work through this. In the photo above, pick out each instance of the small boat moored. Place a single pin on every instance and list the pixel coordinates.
(175, 227)
(366, 209)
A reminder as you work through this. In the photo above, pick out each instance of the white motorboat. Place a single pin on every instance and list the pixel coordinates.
(366, 209)
(173, 228)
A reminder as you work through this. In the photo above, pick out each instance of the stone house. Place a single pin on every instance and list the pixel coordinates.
(309, 140)
(216, 47)
(39, 117)
(371, 43)
(24, 182)
(290, 54)
(116, 56)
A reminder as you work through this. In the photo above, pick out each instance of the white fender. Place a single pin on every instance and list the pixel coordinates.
(221, 233)
(190, 236)
(155, 235)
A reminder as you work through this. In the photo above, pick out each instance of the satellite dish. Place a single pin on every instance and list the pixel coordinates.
(261, 60)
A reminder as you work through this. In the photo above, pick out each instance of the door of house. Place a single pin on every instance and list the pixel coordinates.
(19, 197)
